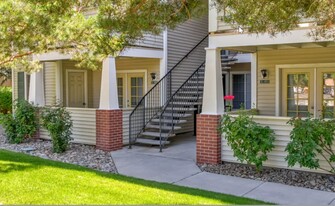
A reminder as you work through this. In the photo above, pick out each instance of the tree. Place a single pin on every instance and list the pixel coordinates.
(30, 27)
(280, 16)
(5, 75)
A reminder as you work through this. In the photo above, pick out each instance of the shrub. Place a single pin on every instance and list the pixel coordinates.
(22, 125)
(5, 100)
(312, 140)
(249, 140)
(59, 125)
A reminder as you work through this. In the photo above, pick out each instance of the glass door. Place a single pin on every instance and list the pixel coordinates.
(297, 92)
(135, 89)
(325, 92)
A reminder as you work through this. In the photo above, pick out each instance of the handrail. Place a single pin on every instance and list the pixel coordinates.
(175, 66)
(171, 100)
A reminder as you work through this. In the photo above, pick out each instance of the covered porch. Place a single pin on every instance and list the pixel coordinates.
(287, 80)
(89, 95)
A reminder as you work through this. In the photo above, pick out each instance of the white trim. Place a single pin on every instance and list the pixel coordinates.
(252, 40)
(212, 16)
(59, 83)
(315, 87)
(253, 70)
(278, 91)
(85, 85)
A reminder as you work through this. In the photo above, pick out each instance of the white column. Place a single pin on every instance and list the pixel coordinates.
(36, 89)
(108, 92)
(213, 89)
(59, 83)
(212, 16)
(254, 80)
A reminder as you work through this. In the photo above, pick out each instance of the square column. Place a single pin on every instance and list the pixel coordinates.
(36, 89)
(208, 122)
(109, 118)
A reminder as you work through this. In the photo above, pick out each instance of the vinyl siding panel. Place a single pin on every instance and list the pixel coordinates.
(276, 158)
(180, 41)
(266, 93)
(84, 126)
(50, 83)
(14, 85)
(151, 41)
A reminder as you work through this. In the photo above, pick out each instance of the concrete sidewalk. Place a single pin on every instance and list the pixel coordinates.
(176, 165)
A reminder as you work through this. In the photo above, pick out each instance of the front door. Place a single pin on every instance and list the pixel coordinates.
(76, 95)
(297, 92)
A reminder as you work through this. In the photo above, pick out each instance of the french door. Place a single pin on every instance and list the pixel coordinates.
(131, 88)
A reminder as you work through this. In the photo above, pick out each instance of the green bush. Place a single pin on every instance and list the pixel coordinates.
(312, 139)
(22, 125)
(249, 140)
(59, 125)
(5, 100)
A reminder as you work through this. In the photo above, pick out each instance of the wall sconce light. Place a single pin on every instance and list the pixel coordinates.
(264, 73)
(153, 78)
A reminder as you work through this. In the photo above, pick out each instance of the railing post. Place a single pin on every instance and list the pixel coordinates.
(172, 109)
(160, 133)
(170, 85)
(130, 128)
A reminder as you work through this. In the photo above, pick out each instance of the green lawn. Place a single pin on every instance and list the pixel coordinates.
(30, 180)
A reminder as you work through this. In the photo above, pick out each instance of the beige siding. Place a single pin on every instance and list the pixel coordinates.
(276, 158)
(84, 126)
(15, 87)
(50, 83)
(269, 59)
(125, 125)
(180, 41)
(151, 41)
(133, 64)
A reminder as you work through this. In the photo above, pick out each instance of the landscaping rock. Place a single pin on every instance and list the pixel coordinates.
(79, 154)
(310, 180)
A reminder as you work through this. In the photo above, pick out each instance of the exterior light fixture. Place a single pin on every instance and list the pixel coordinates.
(153, 78)
(265, 73)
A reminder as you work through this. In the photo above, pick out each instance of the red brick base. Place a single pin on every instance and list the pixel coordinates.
(208, 139)
(109, 130)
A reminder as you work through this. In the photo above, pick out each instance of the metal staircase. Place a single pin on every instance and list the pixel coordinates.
(170, 104)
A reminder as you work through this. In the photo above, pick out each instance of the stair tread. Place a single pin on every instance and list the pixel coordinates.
(186, 103)
(167, 114)
(176, 108)
(187, 97)
(150, 141)
(157, 126)
(176, 121)
(157, 134)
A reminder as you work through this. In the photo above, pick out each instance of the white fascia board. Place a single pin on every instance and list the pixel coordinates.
(142, 53)
(245, 40)
(51, 56)
(243, 58)
(128, 52)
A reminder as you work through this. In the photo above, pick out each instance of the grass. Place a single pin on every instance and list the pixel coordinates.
(31, 180)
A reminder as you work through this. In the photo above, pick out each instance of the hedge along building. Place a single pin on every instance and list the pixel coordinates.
(100, 102)
(291, 75)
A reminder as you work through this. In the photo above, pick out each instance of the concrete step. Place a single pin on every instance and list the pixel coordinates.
(157, 134)
(175, 121)
(150, 141)
(164, 127)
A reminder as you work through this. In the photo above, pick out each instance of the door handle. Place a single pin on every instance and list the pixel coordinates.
(84, 104)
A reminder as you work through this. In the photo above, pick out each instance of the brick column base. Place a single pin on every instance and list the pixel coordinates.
(208, 139)
(109, 130)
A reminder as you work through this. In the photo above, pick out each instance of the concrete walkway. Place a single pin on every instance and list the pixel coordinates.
(176, 165)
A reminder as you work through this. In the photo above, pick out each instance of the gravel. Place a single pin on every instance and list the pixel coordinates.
(79, 154)
(310, 180)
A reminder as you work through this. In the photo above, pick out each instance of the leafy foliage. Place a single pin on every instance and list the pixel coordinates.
(312, 139)
(59, 124)
(249, 141)
(276, 16)
(89, 30)
(22, 125)
(5, 100)
(5, 75)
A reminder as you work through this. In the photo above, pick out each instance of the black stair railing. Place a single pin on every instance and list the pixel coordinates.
(181, 103)
(153, 101)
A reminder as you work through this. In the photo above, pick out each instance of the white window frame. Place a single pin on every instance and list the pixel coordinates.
(126, 72)
(279, 85)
